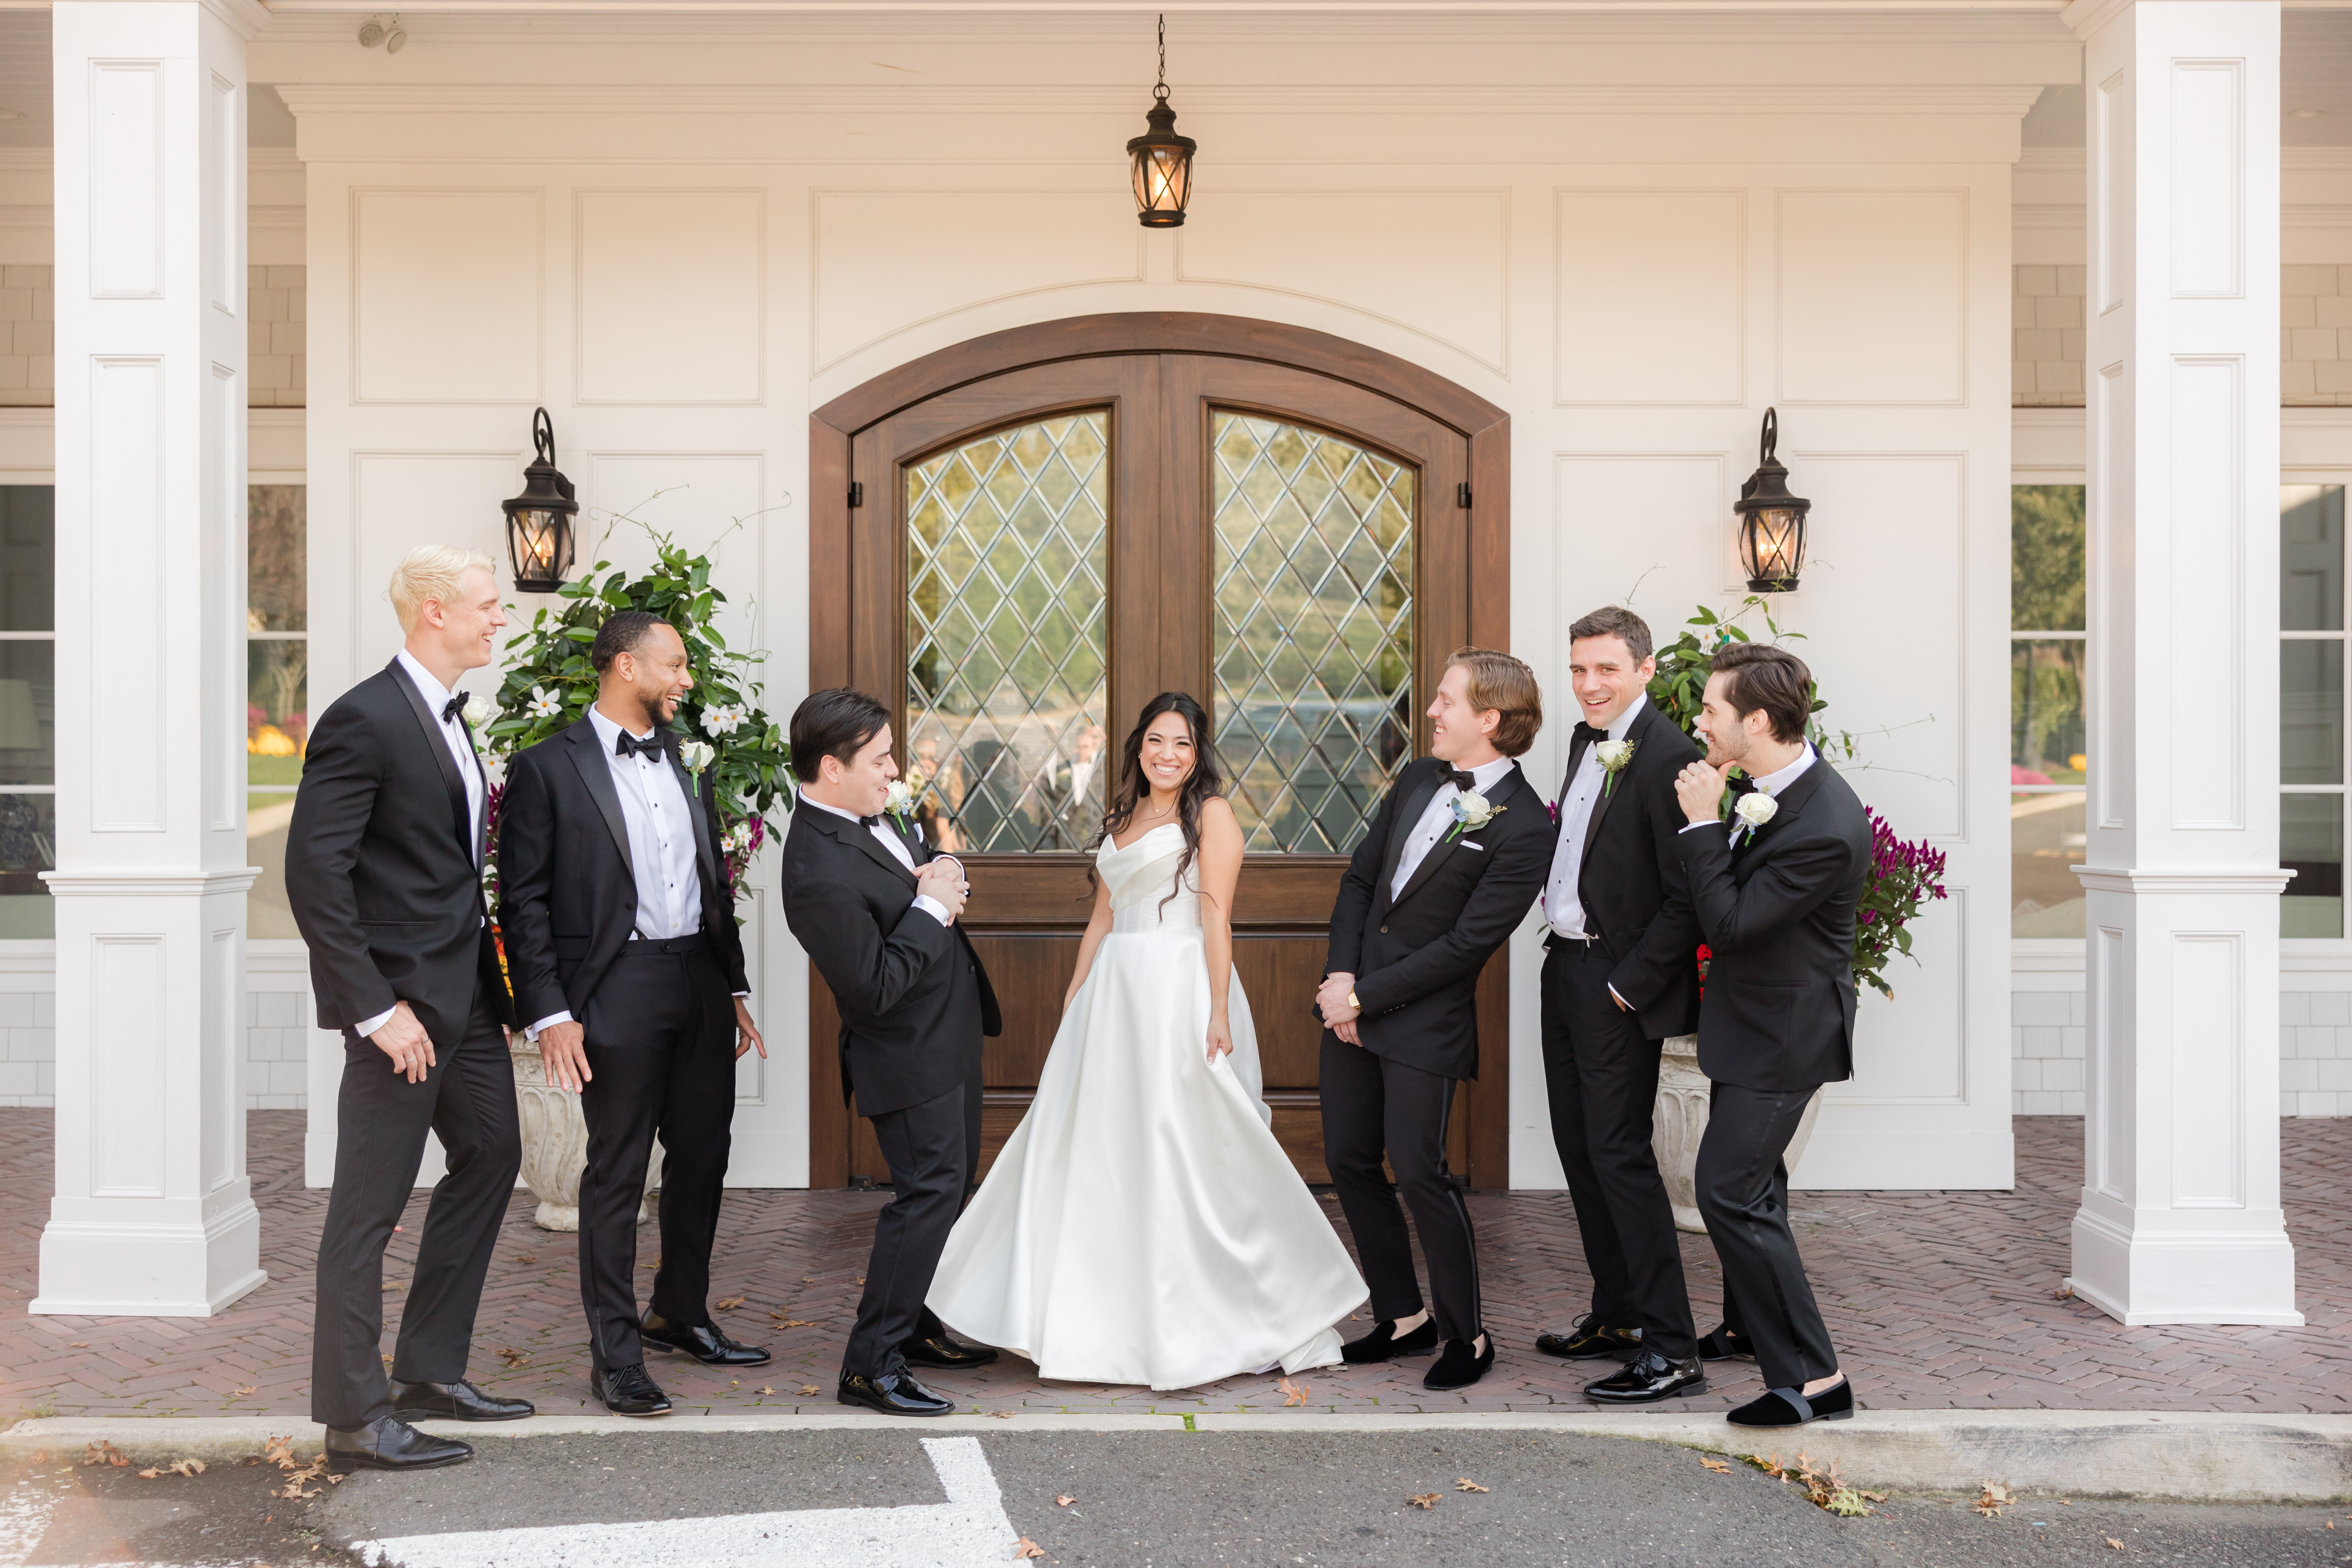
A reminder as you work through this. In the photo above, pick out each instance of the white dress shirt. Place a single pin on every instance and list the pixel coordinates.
(1437, 817)
(469, 768)
(1563, 905)
(898, 852)
(659, 818)
(1772, 784)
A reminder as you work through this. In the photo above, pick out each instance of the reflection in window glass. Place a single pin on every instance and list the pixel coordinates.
(276, 693)
(276, 583)
(2045, 843)
(2046, 559)
(2047, 760)
(2045, 712)
(2310, 845)
(2311, 558)
(268, 912)
(2311, 713)
(277, 711)
(27, 574)
(28, 847)
(27, 712)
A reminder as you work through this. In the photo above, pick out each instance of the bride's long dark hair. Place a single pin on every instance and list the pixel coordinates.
(1127, 789)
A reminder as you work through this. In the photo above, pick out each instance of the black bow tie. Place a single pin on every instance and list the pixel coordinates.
(1587, 732)
(869, 821)
(1742, 784)
(452, 708)
(1461, 781)
(628, 745)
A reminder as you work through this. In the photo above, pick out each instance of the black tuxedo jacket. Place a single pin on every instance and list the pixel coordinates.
(1416, 957)
(380, 869)
(1777, 913)
(567, 892)
(913, 997)
(1630, 882)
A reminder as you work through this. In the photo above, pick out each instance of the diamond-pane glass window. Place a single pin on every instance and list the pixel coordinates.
(1313, 630)
(1006, 632)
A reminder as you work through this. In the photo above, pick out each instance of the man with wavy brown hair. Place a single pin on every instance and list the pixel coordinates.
(1445, 874)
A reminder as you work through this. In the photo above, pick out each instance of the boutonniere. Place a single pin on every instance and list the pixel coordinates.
(1615, 757)
(696, 755)
(899, 802)
(1754, 809)
(1471, 811)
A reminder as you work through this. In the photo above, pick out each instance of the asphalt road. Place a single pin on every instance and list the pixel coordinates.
(842, 1498)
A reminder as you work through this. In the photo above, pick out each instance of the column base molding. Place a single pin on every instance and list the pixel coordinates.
(141, 1268)
(2243, 1279)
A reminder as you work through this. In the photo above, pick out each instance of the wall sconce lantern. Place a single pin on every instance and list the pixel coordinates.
(538, 521)
(1162, 160)
(1771, 521)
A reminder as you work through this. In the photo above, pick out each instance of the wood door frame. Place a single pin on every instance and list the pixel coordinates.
(834, 427)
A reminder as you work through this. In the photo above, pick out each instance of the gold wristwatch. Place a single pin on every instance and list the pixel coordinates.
(1359, 1006)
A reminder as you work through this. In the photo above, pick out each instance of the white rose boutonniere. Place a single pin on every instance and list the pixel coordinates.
(1471, 811)
(696, 755)
(899, 802)
(1753, 810)
(477, 710)
(1615, 757)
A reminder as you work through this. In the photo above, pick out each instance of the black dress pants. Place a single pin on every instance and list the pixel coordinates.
(1601, 1076)
(1743, 1193)
(933, 1150)
(661, 1037)
(1371, 1105)
(468, 1097)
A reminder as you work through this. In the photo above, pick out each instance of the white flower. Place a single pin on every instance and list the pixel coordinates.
(1613, 754)
(900, 800)
(1473, 811)
(543, 703)
(722, 720)
(696, 755)
(738, 838)
(1755, 809)
(478, 710)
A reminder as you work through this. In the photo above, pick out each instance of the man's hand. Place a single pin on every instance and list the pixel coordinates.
(404, 1039)
(1700, 788)
(564, 1051)
(943, 879)
(1331, 999)
(1350, 1033)
(747, 1033)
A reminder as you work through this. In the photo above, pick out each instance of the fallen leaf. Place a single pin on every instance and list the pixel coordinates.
(1423, 1500)
(1293, 1393)
(1993, 1499)
(278, 1451)
(728, 1304)
(1001, 1414)
(81, 1344)
(395, 1285)
(792, 1323)
(103, 1453)
(809, 1388)
(1065, 1499)
(1716, 1465)
(1467, 1485)
(241, 1392)
(2113, 1543)
(149, 1474)
(1027, 1549)
(525, 1257)
(2064, 1292)
(512, 1357)
(767, 1391)
(2064, 1504)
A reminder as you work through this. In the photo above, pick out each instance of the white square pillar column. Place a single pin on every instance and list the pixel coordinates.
(2179, 1220)
(153, 1214)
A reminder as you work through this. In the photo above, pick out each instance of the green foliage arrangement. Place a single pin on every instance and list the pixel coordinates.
(1679, 687)
(551, 684)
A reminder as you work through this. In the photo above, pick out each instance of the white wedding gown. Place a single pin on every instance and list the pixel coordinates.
(1142, 1226)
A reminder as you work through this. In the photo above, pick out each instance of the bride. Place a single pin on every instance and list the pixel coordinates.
(1142, 1226)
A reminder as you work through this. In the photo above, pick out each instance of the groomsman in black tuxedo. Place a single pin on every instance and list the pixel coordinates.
(1619, 978)
(620, 929)
(876, 909)
(1440, 880)
(1774, 890)
(383, 870)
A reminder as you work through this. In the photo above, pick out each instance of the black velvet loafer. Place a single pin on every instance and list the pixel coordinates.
(1648, 1378)
(1590, 1339)
(1722, 1344)
(894, 1394)
(459, 1400)
(704, 1342)
(1383, 1342)
(1457, 1367)
(388, 1443)
(1791, 1407)
(938, 1350)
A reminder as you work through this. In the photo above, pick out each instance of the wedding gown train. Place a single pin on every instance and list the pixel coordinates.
(1142, 1226)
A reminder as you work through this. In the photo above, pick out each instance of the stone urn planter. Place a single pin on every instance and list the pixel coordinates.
(1682, 1120)
(555, 1142)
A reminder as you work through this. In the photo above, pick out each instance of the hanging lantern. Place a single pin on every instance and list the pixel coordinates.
(1771, 521)
(538, 521)
(1162, 160)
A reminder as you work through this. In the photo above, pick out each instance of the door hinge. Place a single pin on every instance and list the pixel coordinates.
(1462, 495)
(857, 494)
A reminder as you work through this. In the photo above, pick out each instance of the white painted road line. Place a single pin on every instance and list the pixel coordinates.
(967, 1531)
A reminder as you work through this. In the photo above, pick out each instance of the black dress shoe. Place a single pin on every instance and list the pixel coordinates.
(459, 1400)
(894, 1394)
(1589, 1339)
(1383, 1342)
(1646, 1378)
(703, 1341)
(1792, 1407)
(628, 1391)
(388, 1443)
(1457, 1368)
(938, 1350)
(1722, 1344)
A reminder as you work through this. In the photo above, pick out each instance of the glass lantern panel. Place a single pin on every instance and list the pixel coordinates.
(1313, 630)
(1007, 637)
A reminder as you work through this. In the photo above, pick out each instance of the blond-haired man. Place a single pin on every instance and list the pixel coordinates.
(1442, 877)
(384, 870)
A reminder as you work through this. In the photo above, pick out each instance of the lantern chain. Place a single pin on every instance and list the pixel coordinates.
(1161, 91)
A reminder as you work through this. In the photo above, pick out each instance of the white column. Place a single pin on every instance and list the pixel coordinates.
(153, 1214)
(2179, 1220)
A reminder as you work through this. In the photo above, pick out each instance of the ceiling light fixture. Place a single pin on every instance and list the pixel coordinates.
(375, 30)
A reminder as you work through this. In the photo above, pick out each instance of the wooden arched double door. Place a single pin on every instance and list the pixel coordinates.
(1018, 541)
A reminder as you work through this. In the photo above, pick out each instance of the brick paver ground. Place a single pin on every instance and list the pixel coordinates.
(1935, 1301)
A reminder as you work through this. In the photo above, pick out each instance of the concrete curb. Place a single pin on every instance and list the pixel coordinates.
(2189, 1456)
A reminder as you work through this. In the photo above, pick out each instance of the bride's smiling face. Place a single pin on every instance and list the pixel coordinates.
(1166, 755)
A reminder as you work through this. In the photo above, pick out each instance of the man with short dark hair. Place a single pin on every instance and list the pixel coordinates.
(1774, 890)
(1619, 979)
(877, 910)
(621, 935)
